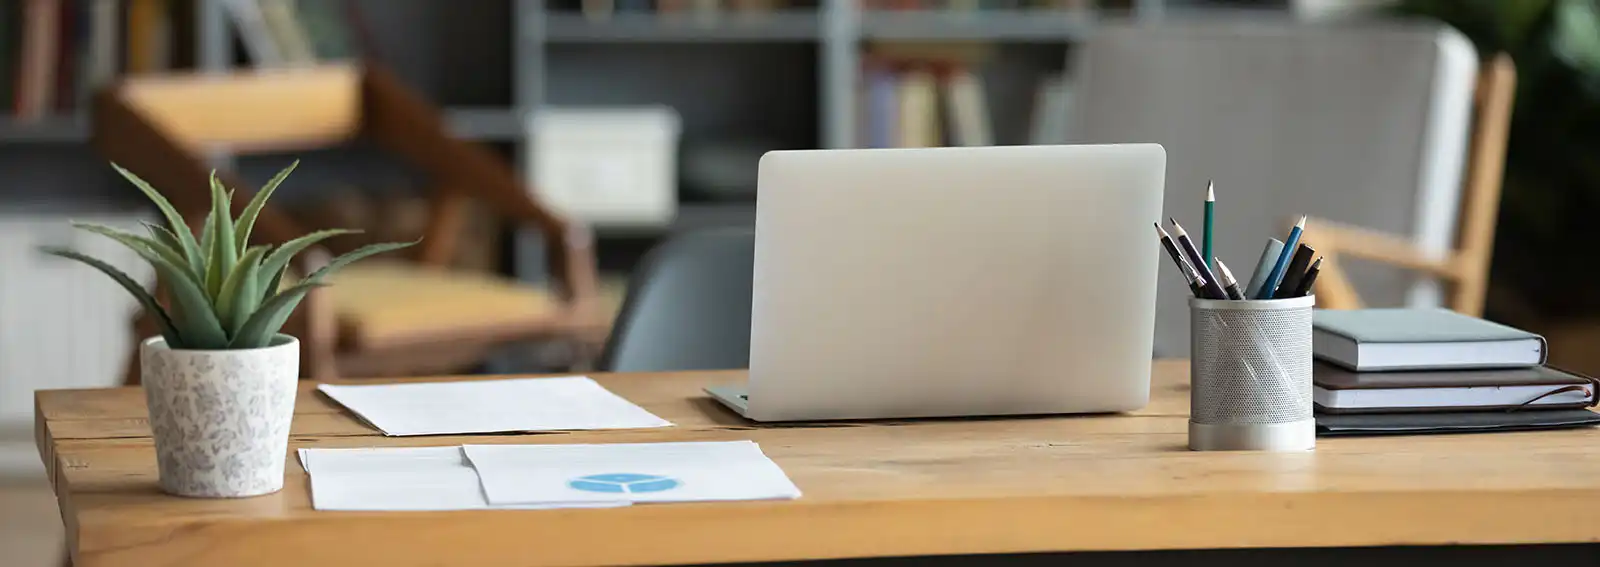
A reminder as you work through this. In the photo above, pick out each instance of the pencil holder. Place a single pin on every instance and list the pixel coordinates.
(1250, 375)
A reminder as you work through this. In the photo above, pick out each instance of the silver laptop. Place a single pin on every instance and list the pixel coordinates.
(931, 282)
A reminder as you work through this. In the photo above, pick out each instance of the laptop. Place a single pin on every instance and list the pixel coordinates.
(933, 282)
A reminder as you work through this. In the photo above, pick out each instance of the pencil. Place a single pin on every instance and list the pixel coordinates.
(1229, 284)
(1196, 283)
(1213, 289)
(1205, 232)
(1270, 286)
(1311, 278)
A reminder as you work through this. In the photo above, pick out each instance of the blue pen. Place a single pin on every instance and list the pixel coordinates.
(1282, 265)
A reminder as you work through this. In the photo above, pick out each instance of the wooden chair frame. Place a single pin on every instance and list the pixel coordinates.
(163, 129)
(1465, 269)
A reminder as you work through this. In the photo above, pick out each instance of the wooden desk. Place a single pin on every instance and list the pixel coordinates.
(1118, 482)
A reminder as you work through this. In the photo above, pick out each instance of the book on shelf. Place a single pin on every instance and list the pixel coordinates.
(299, 32)
(55, 53)
(975, 5)
(701, 10)
(923, 99)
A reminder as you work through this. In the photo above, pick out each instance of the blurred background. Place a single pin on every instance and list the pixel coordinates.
(634, 121)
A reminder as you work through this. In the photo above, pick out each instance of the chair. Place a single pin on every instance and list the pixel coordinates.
(384, 317)
(1368, 125)
(1465, 268)
(688, 306)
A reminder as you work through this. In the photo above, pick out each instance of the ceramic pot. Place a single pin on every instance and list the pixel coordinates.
(220, 417)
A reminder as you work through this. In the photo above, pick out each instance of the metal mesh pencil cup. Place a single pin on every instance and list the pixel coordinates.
(1250, 375)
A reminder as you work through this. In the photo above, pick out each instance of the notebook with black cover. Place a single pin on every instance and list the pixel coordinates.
(1452, 422)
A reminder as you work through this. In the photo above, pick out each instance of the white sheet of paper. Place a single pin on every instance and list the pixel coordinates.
(402, 479)
(491, 406)
(629, 472)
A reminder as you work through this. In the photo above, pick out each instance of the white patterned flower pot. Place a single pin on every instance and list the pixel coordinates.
(220, 417)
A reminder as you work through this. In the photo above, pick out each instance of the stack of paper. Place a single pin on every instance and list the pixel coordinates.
(631, 472)
(399, 479)
(491, 406)
(540, 476)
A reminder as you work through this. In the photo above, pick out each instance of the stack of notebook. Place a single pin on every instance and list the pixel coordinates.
(1427, 370)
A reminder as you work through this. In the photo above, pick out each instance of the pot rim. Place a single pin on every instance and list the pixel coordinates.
(279, 341)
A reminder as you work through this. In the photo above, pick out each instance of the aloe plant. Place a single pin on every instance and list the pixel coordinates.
(225, 293)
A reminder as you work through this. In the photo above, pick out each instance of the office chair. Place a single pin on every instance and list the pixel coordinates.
(688, 306)
(1465, 268)
(1371, 125)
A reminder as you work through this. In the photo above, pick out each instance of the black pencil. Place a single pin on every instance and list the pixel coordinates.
(1304, 288)
(1196, 283)
(1229, 285)
(1295, 273)
(1213, 289)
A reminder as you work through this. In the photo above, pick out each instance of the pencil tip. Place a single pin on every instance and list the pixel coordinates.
(1211, 190)
(1302, 223)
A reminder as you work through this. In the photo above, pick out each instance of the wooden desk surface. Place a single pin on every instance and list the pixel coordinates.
(895, 488)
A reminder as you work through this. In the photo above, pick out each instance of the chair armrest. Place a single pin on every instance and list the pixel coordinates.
(1335, 239)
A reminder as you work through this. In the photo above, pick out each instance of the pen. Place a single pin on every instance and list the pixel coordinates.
(1295, 273)
(1311, 277)
(1270, 286)
(1205, 231)
(1196, 283)
(1269, 254)
(1229, 284)
(1213, 289)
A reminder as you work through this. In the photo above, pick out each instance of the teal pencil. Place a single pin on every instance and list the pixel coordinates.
(1205, 233)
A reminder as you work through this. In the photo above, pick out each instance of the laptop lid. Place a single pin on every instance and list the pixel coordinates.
(954, 281)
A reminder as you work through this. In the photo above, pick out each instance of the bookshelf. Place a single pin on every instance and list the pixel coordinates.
(782, 79)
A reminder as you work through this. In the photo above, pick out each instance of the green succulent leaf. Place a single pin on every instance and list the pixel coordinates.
(258, 331)
(247, 220)
(240, 297)
(163, 320)
(148, 248)
(180, 229)
(192, 312)
(165, 236)
(357, 254)
(272, 268)
(207, 235)
(271, 286)
(223, 255)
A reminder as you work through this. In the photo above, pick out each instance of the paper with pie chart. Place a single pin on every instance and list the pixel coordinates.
(628, 472)
(402, 479)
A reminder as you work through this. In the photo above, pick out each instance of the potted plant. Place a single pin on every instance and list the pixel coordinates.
(220, 380)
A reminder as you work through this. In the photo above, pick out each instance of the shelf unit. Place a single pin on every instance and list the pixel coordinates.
(788, 78)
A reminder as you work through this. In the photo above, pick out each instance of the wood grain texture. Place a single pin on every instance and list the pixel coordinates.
(883, 488)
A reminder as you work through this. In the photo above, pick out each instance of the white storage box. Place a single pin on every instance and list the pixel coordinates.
(607, 166)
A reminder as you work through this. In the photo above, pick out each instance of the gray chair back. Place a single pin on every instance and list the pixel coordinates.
(1358, 124)
(688, 306)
